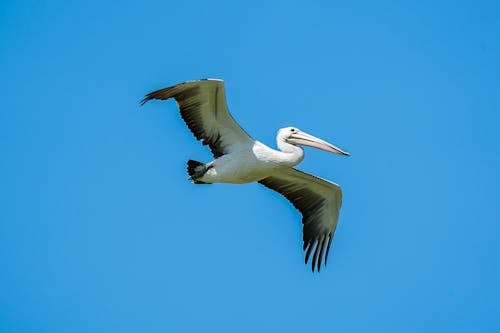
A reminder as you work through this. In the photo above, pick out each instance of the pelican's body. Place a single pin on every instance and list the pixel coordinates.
(241, 159)
(252, 163)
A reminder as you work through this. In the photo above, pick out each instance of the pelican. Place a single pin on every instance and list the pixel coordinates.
(238, 159)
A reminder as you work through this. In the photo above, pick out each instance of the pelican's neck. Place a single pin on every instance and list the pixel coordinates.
(290, 154)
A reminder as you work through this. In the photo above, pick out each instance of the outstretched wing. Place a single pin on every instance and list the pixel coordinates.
(202, 105)
(319, 202)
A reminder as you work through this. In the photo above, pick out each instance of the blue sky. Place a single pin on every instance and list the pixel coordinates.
(101, 232)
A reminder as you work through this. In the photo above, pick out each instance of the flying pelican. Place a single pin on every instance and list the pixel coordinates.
(240, 159)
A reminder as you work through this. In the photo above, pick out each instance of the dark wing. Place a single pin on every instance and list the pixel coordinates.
(319, 202)
(202, 105)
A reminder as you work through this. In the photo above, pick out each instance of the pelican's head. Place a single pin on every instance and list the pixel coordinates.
(294, 136)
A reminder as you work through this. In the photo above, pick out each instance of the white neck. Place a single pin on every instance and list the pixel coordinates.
(290, 154)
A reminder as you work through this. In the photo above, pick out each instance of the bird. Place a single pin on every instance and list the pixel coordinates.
(239, 159)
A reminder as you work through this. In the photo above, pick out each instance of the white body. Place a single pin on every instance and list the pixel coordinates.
(250, 164)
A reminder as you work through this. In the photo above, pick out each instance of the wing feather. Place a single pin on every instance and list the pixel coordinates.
(202, 105)
(319, 202)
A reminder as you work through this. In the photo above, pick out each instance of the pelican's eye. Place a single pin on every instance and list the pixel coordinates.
(293, 130)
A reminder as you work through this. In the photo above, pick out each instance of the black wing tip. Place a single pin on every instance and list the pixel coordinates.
(166, 93)
(154, 95)
(144, 100)
(321, 250)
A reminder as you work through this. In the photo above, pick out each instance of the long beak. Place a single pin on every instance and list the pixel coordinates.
(304, 139)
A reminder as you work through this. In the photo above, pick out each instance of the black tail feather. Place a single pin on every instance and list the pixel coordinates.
(196, 170)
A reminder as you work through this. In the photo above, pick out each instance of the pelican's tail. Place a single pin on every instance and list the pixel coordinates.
(196, 170)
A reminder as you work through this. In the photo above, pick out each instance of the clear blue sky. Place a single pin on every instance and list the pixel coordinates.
(101, 232)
